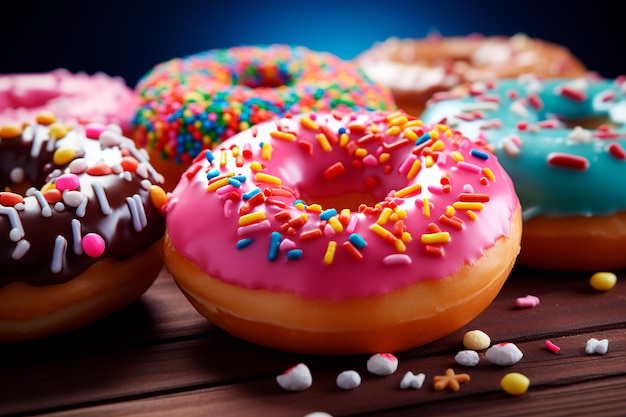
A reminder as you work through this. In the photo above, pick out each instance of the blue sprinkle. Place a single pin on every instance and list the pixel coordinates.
(294, 254)
(212, 174)
(242, 243)
(357, 241)
(327, 214)
(234, 182)
(479, 154)
(422, 139)
(251, 193)
(274, 244)
(240, 178)
(342, 130)
(209, 156)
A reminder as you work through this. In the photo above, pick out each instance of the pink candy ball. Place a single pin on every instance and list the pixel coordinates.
(93, 245)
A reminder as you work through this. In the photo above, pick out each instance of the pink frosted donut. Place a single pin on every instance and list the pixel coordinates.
(343, 233)
(74, 98)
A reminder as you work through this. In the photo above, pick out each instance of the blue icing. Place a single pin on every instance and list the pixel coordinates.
(544, 189)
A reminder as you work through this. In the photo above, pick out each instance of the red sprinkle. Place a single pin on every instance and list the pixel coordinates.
(572, 94)
(554, 348)
(10, 199)
(334, 170)
(566, 160)
(617, 151)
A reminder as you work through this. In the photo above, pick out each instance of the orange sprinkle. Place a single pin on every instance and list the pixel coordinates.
(277, 134)
(489, 173)
(99, 169)
(311, 234)
(352, 250)
(309, 123)
(471, 215)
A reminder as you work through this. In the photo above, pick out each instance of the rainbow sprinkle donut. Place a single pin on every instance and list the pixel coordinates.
(193, 103)
(563, 143)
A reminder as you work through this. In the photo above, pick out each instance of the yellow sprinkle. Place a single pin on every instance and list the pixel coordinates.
(335, 224)
(256, 166)
(406, 237)
(398, 120)
(441, 127)
(45, 118)
(383, 218)
(316, 208)
(429, 161)
(489, 173)
(217, 184)
(434, 134)
(448, 133)
(400, 246)
(329, 256)
(394, 131)
(158, 196)
(268, 178)
(438, 145)
(379, 230)
(250, 218)
(450, 211)
(63, 156)
(439, 237)
(603, 281)
(384, 157)
(10, 131)
(47, 187)
(266, 151)
(426, 207)
(415, 167)
(410, 190)
(394, 217)
(343, 139)
(401, 213)
(471, 215)
(410, 134)
(244, 125)
(324, 143)
(467, 205)
(300, 206)
(515, 383)
(277, 134)
(414, 123)
(457, 156)
(235, 151)
(360, 152)
(309, 123)
(223, 159)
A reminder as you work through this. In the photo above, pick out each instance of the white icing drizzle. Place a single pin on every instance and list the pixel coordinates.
(82, 207)
(76, 236)
(141, 210)
(17, 230)
(46, 211)
(60, 246)
(134, 213)
(130, 146)
(101, 197)
(20, 249)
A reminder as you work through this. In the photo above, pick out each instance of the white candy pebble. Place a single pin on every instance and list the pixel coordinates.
(296, 378)
(348, 380)
(597, 346)
(382, 364)
(504, 354)
(476, 340)
(410, 380)
(467, 358)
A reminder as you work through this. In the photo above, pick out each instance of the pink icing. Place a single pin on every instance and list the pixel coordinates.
(73, 98)
(205, 223)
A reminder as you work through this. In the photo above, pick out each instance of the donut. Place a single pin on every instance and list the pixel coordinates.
(81, 226)
(562, 142)
(415, 69)
(76, 98)
(193, 103)
(345, 233)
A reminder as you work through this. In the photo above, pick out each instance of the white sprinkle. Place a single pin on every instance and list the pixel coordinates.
(467, 358)
(411, 380)
(20, 249)
(348, 380)
(101, 198)
(597, 346)
(518, 108)
(146, 184)
(141, 210)
(504, 354)
(318, 414)
(117, 168)
(580, 135)
(126, 175)
(510, 147)
(60, 246)
(78, 166)
(296, 378)
(382, 364)
(16, 175)
(59, 207)
(110, 139)
(479, 106)
(134, 213)
(76, 236)
(73, 198)
(397, 259)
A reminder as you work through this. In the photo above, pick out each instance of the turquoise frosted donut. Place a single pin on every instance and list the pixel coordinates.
(563, 143)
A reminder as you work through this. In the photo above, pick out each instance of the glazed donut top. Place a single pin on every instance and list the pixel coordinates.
(540, 131)
(440, 63)
(77, 98)
(192, 103)
(90, 194)
(246, 212)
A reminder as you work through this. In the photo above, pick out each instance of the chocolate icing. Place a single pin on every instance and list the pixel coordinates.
(118, 229)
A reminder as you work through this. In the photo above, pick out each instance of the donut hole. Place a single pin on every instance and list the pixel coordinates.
(590, 123)
(255, 75)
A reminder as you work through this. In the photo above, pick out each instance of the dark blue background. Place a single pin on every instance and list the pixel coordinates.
(127, 38)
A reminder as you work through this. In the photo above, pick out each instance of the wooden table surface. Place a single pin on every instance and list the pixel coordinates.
(159, 357)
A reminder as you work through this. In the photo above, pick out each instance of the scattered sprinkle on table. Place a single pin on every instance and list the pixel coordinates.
(603, 281)
(476, 340)
(450, 380)
(515, 383)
